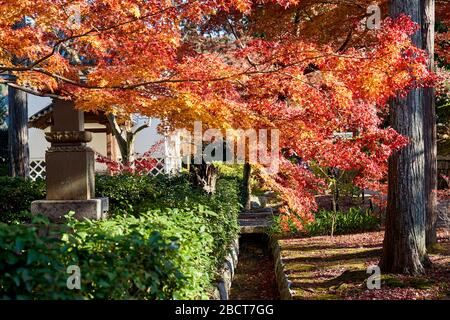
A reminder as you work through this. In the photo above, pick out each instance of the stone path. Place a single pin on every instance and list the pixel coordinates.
(256, 222)
(254, 277)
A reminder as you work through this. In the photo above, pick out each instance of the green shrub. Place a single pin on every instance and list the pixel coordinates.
(164, 240)
(177, 194)
(123, 258)
(136, 195)
(236, 173)
(124, 191)
(197, 258)
(353, 221)
(175, 200)
(231, 171)
(30, 265)
(16, 196)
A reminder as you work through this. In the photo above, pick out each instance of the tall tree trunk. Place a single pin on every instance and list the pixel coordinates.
(18, 133)
(404, 248)
(429, 122)
(247, 186)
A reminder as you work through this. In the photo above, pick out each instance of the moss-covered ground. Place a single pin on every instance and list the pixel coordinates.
(336, 268)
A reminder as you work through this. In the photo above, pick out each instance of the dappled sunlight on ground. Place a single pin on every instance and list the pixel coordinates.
(255, 277)
(336, 268)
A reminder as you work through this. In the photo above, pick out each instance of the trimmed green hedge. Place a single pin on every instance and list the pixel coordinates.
(16, 195)
(164, 240)
(117, 260)
(176, 193)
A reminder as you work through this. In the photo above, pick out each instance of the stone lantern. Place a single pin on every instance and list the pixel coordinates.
(70, 163)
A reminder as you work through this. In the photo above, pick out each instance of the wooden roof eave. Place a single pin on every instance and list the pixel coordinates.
(44, 119)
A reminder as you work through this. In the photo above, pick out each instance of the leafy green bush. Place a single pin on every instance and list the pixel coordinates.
(174, 203)
(124, 191)
(16, 197)
(146, 216)
(231, 171)
(163, 240)
(137, 195)
(30, 265)
(122, 258)
(125, 258)
(352, 221)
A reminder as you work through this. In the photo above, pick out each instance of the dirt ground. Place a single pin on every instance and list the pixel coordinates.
(336, 268)
(255, 276)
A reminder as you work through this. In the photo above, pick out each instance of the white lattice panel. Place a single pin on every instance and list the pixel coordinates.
(37, 169)
(157, 169)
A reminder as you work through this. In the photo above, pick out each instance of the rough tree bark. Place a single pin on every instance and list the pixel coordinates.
(18, 165)
(429, 122)
(404, 248)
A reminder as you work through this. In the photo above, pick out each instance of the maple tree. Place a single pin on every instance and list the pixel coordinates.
(141, 166)
(231, 64)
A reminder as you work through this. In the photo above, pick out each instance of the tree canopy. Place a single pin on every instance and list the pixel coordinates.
(308, 68)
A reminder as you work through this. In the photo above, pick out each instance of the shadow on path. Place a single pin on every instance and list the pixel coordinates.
(255, 276)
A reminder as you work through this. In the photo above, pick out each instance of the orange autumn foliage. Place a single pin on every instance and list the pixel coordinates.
(308, 68)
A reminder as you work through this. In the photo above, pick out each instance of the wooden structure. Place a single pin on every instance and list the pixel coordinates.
(44, 119)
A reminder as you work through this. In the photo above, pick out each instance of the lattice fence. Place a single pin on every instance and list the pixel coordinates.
(37, 169)
(158, 168)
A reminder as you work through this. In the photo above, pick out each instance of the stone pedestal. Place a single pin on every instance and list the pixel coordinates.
(55, 210)
(69, 168)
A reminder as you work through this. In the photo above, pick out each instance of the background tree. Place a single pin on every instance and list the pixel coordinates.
(125, 136)
(3, 130)
(429, 122)
(19, 156)
(404, 248)
(234, 64)
(3, 105)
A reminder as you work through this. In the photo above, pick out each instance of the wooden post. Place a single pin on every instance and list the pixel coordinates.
(110, 146)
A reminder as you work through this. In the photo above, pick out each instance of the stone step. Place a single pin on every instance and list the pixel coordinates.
(255, 215)
(254, 225)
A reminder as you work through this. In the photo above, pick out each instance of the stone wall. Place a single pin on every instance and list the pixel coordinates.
(222, 290)
(283, 283)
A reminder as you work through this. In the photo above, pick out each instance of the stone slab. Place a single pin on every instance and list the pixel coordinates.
(55, 210)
